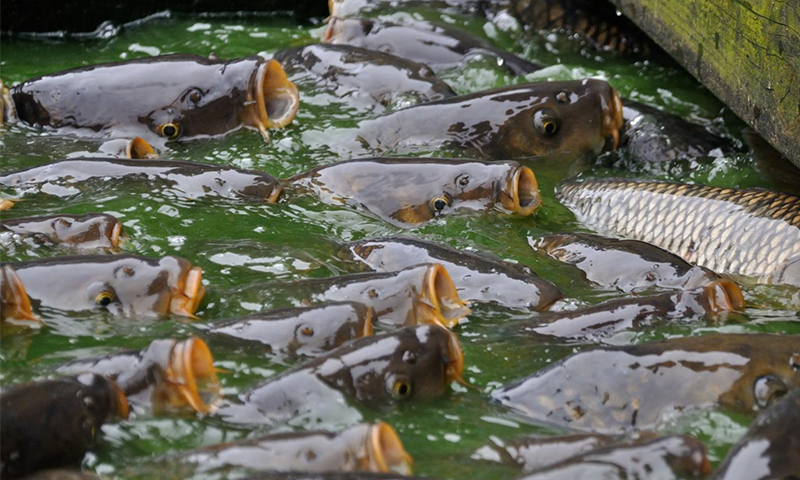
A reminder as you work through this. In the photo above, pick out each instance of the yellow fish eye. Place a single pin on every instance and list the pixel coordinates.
(104, 299)
(170, 130)
(401, 389)
(439, 203)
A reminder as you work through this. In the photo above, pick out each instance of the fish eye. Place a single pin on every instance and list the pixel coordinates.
(439, 203)
(401, 389)
(170, 130)
(767, 389)
(546, 122)
(104, 298)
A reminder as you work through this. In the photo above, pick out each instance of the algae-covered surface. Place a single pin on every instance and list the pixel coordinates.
(237, 243)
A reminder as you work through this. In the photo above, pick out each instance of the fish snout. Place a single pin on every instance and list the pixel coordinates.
(724, 296)
(188, 292)
(277, 99)
(190, 377)
(139, 149)
(612, 117)
(438, 303)
(385, 451)
(116, 232)
(16, 303)
(367, 322)
(521, 192)
(335, 28)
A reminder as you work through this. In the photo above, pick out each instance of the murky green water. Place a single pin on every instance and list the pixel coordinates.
(239, 243)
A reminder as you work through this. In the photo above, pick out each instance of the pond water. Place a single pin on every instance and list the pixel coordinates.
(238, 243)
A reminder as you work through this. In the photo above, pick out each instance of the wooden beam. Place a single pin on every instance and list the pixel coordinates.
(747, 52)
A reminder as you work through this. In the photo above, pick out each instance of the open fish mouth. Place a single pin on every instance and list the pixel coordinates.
(191, 378)
(116, 232)
(120, 401)
(521, 194)
(454, 360)
(724, 296)
(438, 303)
(138, 149)
(277, 99)
(612, 118)
(188, 293)
(385, 451)
(16, 303)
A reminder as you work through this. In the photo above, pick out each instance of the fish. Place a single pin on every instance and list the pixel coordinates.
(743, 232)
(169, 375)
(410, 191)
(87, 231)
(672, 457)
(614, 390)
(439, 47)
(348, 8)
(361, 77)
(572, 118)
(769, 449)
(300, 331)
(650, 135)
(478, 278)
(331, 476)
(160, 98)
(603, 320)
(598, 23)
(16, 304)
(186, 179)
(626, 265)
(62, 475)
(122, 285)
(420, 294)
(364, 447)
(411, 364)
(53, 423)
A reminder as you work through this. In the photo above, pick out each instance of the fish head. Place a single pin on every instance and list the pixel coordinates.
(375, 448)
(87, 230)
(120, 284)
(16, 305)
(437, 301)
(424, 362)
(188, 378)
(330, 326)
(348, 31)
(566, 118)
(101, 398)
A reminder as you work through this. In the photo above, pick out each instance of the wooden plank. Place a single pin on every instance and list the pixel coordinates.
(747, 52)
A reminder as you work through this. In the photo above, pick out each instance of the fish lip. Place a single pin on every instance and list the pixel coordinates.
(521, 194)
(116, 231)
(333, 30)
(454, 359)
(5, 204)
(188, 292)
(275, 194)
(273, 88)
(191, 360)
(368, 328)
(385, 450)
(120, 401)
(138, 149)
(16, 303)
(724, 296)
(439, 303)
(8, 111)
(612, 117)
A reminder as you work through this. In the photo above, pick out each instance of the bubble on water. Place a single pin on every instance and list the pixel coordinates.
(197, 27)
(168, 211)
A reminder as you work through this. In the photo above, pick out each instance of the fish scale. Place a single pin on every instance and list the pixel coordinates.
(748, 232)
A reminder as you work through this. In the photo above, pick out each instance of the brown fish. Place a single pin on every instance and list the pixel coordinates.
(617, 389)
(627, 265)
(168, 375)
(52, 423)
(748, 232)
(363, 447)
(16, 304)
(120, 284)
(571, 118)
(478, 278)
(411, 191)
(168, 97)
(609, 318)
(88, 231)
(306, 331)
(770, 450)
(413, 363)
(419, 294)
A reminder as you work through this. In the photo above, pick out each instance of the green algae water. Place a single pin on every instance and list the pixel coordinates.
(238, 243)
